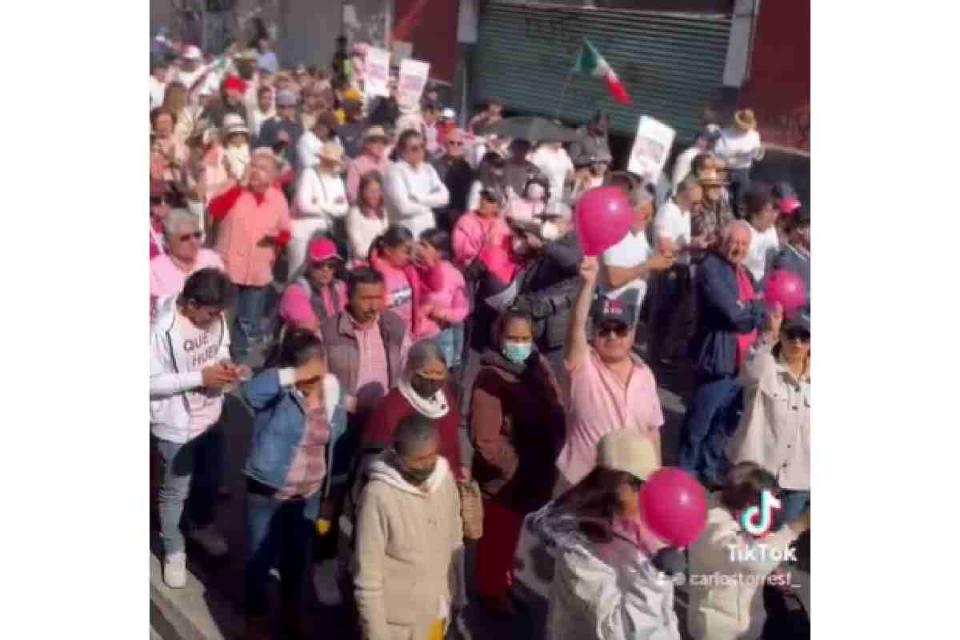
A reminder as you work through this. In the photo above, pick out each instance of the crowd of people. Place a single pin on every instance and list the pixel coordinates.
(432, 362)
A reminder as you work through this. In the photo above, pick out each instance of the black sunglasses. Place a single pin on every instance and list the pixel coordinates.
(325, 264)
(196, 235)
(797, 334)
(619, 329)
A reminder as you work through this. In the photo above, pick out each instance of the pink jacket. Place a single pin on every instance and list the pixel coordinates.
(296, 306)
(445, 290)
(472, 233)
(403, 291)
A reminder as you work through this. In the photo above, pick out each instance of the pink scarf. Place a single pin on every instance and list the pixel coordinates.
(745, 294)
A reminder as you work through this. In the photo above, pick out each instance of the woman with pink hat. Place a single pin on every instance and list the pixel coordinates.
(318, 293)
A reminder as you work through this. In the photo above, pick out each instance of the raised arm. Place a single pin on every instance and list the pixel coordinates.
(577, 348)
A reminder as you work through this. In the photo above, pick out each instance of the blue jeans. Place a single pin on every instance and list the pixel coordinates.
(277, 529)
(192, 469)
(450, 341)
(710, 420)
(246, 320)
(792, 504)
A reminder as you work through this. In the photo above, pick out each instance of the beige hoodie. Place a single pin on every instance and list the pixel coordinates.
(406, 539)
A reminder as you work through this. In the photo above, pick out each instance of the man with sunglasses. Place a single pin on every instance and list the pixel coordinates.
(457, 175)
(319, 294)
(610, 387)
(185, 255)
(159, 208)
(412, 188)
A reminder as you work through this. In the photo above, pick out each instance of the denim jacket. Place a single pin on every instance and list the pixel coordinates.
(278, 427)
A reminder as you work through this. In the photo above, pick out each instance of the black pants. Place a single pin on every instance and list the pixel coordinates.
(671, 314)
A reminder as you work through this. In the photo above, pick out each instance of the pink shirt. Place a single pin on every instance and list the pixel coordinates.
(372, 370)
(296, 309)
(600, 404)
(242, 229)
(361, 165)
(446, 290)
(166, 278)
(309, 465)
(398, 291)
(472, 233)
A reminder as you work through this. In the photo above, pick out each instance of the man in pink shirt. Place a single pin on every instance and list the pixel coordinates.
(373, 158)
(184, 255)
(610, 388)
(254, 227)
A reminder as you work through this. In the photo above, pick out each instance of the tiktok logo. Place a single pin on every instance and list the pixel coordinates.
(758, 519)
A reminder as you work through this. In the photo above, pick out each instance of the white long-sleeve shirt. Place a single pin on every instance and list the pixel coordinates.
(362, 230)
(412, 194)
(739, 148)
(320, 195)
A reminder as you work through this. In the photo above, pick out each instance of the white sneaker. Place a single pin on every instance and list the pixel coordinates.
(175, 570)
(325, 583)
(211, 540)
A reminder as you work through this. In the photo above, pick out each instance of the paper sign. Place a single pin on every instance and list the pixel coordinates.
(413, 79)
(650, 148)
(376, 72)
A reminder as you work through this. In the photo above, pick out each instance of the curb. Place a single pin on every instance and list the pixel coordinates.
(191, 613)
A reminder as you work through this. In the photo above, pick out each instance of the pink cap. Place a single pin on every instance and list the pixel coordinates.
(321, 249)
(789, 205)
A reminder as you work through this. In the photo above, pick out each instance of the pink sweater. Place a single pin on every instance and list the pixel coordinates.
(400, 289)
(445, 290)
(472, 233)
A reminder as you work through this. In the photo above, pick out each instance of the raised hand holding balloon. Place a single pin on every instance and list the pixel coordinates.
(785, 288)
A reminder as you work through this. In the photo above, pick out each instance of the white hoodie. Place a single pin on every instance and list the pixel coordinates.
(173, 377)
(406, 538)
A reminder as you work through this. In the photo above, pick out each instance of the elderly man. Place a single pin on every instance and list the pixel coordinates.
(413, 188)
(409, 530)
(282, 131)
(189, 367)
(672, 311)
(610, 388)
(627, 265)
(453, 168)
(373, 158)
(184, 255)
(254, 227)
(729, 316)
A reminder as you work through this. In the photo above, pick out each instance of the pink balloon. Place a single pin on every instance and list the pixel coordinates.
(674, 506)
(786, 288)
(603, 217)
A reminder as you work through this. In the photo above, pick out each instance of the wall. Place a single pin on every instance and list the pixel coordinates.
(431, 26)
(779, 86)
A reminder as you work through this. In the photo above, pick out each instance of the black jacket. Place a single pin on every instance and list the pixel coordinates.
(548, 289)
(458, 176)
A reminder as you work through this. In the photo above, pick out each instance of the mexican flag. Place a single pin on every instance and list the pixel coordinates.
(592, 63)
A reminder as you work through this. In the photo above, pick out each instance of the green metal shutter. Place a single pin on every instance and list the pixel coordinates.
(671, 63)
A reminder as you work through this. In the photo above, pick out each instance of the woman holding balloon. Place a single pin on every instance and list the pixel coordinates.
(775, 428)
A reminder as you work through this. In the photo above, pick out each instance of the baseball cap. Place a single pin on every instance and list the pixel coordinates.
(607, 310)
(627, 450)
(321, 249)
(286, 98)
(797, 322)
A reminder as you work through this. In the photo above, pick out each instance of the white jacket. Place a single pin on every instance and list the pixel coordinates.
(726, 591)
(406, 539)
(362, 230)
(411, 195)
(609, 591)
(169, 412)
(320, 195)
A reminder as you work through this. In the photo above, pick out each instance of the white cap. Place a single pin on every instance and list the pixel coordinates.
(192, 52)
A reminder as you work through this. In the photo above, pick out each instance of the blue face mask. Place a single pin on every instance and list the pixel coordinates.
(517, 352)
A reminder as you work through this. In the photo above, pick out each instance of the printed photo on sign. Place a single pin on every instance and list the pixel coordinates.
(650, 148)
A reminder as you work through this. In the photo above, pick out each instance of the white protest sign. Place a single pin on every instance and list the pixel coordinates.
(376, 72)
(413, 79)
(650, 148)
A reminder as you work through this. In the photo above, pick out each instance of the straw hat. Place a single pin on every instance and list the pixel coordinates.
(744, 120)
(331, 152)
(375, 133)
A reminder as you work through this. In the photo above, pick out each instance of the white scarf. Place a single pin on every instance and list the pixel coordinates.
(435, 407)
(237, 158)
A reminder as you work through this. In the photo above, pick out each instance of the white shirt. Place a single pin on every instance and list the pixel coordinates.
(157, 90)
(320, 195)
(739, 148)
(556, 165)
(683, 165)
(362, 231)
(189, 77)
(674, 223)
(632, 251)
(763, 246)
(411, 195)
